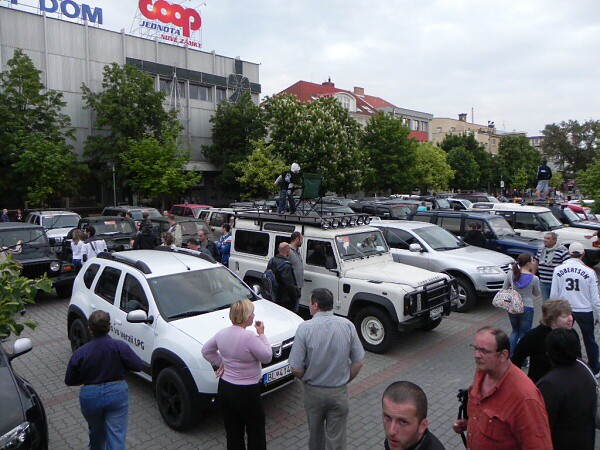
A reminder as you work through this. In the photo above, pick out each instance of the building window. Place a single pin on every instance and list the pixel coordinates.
(424, 127)
(439, 129)
(406, 121)
(199, 92)
(415, 125)
(165, 86)
(345, 101)
(221, 94)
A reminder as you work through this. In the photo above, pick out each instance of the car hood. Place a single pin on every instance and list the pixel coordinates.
(476, 256)
(30, 253)
(280, 324)
(397, 273)
(58, 232)
(521, 239)
(12, 408)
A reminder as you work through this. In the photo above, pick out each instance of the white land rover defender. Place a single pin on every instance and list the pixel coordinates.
(352, 260)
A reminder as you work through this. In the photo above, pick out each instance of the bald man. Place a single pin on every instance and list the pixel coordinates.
(287, 288)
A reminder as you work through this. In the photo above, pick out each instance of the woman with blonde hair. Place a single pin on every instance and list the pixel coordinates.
(522, 280)
(238, 354)
(555, 314)
(77, 248)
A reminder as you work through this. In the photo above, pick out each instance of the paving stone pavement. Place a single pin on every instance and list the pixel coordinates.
(439, 361)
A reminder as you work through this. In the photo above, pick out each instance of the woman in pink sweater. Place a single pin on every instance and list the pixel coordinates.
(239, 353)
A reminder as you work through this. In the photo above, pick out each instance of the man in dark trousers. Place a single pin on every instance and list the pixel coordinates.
(475, 236)
(287, 288)
(287, 182)
(544, 174)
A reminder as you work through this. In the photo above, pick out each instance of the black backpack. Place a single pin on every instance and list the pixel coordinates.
(270, 287)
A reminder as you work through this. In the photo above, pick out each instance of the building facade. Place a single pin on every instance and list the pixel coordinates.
(71, 54)
(362, 106)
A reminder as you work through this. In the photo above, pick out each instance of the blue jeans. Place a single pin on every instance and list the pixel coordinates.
(545, 290)
(284, 196)
(105, 408)
(521, 324)
(585, 320)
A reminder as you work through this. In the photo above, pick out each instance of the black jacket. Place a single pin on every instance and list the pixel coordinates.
(286, 281)
(475, 237)
(544, 173)
(146, 239)
(427, 442)
(213, 250)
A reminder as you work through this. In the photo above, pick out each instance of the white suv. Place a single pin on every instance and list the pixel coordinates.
(166, 305)
(352, 261)
(57, 224)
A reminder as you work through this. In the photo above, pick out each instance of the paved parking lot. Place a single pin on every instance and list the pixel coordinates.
(439, 361)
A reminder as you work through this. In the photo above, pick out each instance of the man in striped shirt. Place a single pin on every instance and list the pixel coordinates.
(548, 257)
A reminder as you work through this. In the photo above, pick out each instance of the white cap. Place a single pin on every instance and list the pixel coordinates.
(295, 168)
(576, 247)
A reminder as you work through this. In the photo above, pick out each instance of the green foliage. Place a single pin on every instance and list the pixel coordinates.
(557, 180)
(33, 135)
(466, 170)
(155, 169)
(131, 110)
(589, 183)
(482, 157)
(573, 144)
(517, 157)
(321, 136)
(235, 126)
(259, 169)
(390, 154)
(431, 168)
(15, 293)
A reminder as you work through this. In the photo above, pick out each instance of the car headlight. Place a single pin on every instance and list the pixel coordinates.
(489, 270)
(15, 437)
(55, 266)
(58, 239)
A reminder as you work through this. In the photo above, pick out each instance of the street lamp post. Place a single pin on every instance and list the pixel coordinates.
(114, 186)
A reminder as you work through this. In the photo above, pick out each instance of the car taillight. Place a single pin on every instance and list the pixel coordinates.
(595, 244)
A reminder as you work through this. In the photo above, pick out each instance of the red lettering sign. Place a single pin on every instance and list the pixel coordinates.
(186, 19)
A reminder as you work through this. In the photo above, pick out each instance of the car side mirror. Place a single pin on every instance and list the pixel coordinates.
(20, 347)
(52, 241)
(415, 248)
(139, 316)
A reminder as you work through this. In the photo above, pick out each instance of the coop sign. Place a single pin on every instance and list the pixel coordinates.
(175, 23)
(70, 9)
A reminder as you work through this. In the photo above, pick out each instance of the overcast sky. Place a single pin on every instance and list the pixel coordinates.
(522, 64)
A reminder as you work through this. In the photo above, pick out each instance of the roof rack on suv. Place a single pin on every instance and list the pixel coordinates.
(186, 251)
(140, 265)
(335, 220)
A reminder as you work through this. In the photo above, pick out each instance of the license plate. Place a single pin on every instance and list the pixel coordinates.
(276, 374)
(436, 312)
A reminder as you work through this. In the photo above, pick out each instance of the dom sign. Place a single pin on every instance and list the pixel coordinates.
(185, 18)
(70, 9)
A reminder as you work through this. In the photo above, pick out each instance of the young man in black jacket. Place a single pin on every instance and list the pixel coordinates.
(287, 288)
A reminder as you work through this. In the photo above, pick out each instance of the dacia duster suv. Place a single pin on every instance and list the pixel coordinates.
(353, 261)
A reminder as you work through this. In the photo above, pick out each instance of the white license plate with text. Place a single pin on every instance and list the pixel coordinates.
(276, 374)
(436, 312)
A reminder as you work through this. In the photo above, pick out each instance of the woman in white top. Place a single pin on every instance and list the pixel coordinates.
(77, 248)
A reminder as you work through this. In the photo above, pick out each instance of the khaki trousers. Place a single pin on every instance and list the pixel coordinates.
(327, 414)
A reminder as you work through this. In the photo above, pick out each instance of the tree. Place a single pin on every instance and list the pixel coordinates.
(589, 183)
(431, 168)
(235, 126)
(321, 136)
(573, 144)
(259, 170)
(33, 135)
(155, 169)
(15, 293)
(466, 171)
(390, 153)
(130, 110)
(517, 157)
(482, 157)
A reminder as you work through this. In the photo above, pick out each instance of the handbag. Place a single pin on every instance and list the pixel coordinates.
(509, 300)
(597, 408)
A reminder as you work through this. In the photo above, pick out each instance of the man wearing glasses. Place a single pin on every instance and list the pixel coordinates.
(505, 410)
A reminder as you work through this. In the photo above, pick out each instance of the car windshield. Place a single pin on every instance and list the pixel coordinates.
(112, 227)
(571, 215)
(32, 236)
(549, 221)
(360, 245)
(137, 213)
(197, 292)
(60, 221)
(443, 203)
(501, 227)
(401, 211)
(438, 238)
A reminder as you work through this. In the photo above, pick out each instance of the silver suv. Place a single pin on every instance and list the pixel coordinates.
(56, 223)
(478, 271)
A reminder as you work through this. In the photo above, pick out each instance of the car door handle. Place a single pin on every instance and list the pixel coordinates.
(308, 280)
(118, 322)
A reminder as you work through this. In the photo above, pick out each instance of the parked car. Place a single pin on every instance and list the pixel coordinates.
(23, 422)
(56, 223)
(584, 212)
(32, 249)
(478, 271)
(499, 234)
(215, 217)
(459, 203)
(478, 197)
(165, 305)
(135, 211)
(189, 227)
(353, 261)
(567, 216)
(188, 210)
(396, 210)
(536, 221)
(115, 230)
(435, 202)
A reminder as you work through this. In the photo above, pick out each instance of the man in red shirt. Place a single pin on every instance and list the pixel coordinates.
(505, 409)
